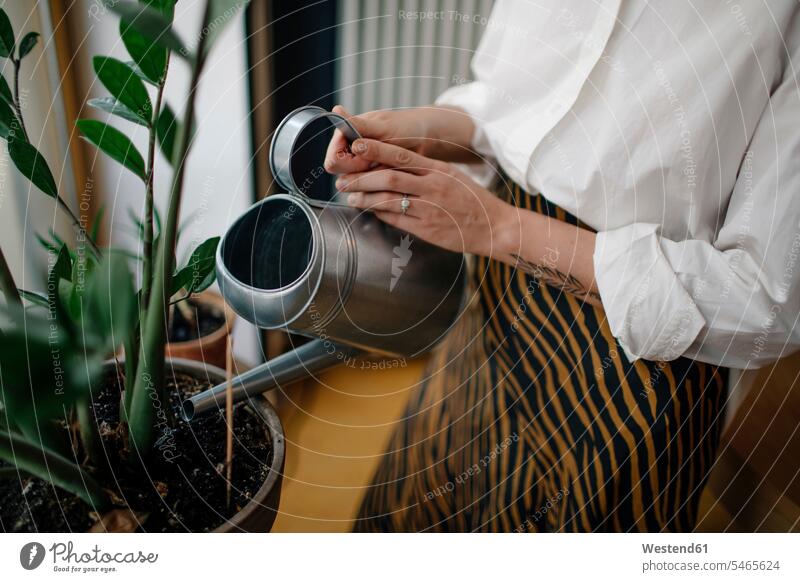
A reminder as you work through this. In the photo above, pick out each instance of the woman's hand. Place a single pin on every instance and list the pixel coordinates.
(450, 210)
(401, 127)
(442, 133)
(446, 207)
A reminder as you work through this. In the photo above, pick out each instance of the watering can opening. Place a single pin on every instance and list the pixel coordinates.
(269, 261)
(271, 247)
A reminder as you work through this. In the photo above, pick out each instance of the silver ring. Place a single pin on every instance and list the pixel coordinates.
(405, 204)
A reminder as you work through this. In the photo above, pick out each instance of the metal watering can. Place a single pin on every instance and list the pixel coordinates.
(331, 272)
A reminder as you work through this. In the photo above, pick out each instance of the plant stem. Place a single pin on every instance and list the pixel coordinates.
(17, 106)
(131, 363)
(7, 285)
(150, 372)
(88, 427)
(77, 224)
(148, 234)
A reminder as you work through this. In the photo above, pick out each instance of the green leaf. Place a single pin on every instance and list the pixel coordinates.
(8, 121)
(157, 221)
(53, 244)
(58, 240)
(165, 7)
(46, 244)
(59, 283)
(135, 68)
(6, 36)
(111, 301)
(69, 300)
(220, 14)
(5, 91)
(32, 165)
(62, 268)
(114, 143)
(34, 298)
(72, 293)
(199, 273)
(114, 107)
(97, 223)
(166, 129)
(150, 57)
(27, 43)
(152, 24)
(124, 84)
(139, 223)
(37, 385)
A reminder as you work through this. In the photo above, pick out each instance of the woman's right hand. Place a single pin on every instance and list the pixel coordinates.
(402, 127)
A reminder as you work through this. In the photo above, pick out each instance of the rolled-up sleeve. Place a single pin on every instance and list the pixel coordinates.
(473, 98)
(733, 301)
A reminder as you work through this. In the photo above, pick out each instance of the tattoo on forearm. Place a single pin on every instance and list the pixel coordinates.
(552, 276)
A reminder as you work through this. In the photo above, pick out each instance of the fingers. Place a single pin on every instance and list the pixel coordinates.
(340, 160)
(398, 220)
(385, 202)
(394, 156)
(380, 180)
(340, 110)
(361, 124)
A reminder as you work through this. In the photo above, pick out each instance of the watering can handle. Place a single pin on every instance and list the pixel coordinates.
(287, 137)
(343, 125)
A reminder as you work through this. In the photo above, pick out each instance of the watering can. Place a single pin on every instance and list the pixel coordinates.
(331, 272)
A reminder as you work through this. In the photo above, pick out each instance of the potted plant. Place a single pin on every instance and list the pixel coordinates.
(123, 458)
(199, 329)
(200, 321)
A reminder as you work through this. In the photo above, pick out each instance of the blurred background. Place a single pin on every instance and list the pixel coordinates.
(278, 56)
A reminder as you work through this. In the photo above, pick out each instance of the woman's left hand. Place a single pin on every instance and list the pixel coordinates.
(446, 207)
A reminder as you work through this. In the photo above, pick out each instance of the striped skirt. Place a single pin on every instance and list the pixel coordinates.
(531, 418)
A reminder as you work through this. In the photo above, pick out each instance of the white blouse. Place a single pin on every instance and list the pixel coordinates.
(673, 129)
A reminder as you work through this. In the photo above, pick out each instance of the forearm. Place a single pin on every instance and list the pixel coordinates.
(450, 210)
(553, 252)
(448, 135)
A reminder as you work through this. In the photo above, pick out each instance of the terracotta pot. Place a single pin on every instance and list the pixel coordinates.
(210, 348)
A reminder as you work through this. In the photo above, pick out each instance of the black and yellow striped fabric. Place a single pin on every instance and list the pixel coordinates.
(531, 419)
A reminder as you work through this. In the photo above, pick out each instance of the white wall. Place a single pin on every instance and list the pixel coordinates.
(218, 185)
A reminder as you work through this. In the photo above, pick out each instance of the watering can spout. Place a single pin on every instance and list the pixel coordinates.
(302, 362)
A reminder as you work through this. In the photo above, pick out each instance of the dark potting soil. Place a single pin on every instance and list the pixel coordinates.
(206, 320)
(182, 487)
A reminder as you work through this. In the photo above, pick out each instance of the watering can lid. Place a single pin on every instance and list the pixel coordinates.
(287, 136)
